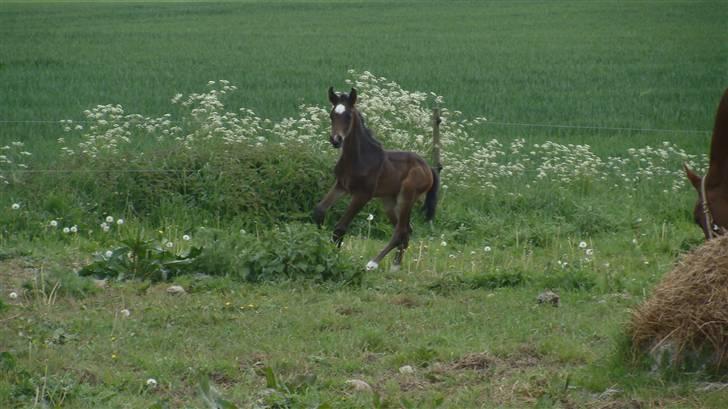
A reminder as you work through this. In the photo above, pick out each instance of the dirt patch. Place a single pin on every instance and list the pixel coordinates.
(14, 273)
(348, 310)
(405, 301)
(618, 404)
(478, 361)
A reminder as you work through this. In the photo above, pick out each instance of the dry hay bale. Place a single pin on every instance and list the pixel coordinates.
(687, 314)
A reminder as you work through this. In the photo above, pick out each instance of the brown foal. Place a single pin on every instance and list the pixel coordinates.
(365, 171)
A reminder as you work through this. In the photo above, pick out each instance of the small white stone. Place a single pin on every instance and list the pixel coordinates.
(407, 369)
(359, 385)
(340, 109)
(176, 289)
(372, 265)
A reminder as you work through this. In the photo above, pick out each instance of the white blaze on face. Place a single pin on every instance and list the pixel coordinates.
(340, 109)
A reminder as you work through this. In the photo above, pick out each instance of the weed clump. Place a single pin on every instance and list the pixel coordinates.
(684, 324)
(286, 252)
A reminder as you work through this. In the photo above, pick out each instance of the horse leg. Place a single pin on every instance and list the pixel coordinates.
(331, 197)
(402, 230)
(357, 202)
(390, 208)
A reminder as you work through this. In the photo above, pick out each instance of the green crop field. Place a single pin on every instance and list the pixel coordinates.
(151, 144)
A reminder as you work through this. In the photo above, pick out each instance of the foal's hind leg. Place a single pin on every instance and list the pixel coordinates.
(400, 238)
(390, 207)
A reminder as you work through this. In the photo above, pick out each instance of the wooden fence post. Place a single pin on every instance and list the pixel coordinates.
(436, 120)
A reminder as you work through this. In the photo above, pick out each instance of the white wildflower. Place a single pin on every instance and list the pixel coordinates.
(15, 206)
(582, 244)
(53, 223)
(109, 219)
(370, 217)
(152, 383)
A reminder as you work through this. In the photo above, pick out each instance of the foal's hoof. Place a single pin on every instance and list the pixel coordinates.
(394, 268)
(372, 265)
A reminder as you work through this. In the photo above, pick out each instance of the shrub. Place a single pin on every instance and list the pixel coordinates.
(289, 251)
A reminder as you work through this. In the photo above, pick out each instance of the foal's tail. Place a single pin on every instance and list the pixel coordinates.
(431, 198)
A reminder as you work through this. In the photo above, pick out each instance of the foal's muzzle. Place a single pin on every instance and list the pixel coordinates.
(336, 141)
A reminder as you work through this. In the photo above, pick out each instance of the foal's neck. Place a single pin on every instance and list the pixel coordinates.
(359, 143)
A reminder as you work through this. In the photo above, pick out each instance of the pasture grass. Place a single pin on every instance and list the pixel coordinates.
(620, 64)
(464, 318)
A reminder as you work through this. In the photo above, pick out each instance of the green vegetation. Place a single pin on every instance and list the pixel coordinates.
(209, 186)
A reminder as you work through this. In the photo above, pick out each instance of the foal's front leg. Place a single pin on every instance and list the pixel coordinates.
(331, 197)
(358, 201)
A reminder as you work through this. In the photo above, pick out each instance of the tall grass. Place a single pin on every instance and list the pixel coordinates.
(635, 64)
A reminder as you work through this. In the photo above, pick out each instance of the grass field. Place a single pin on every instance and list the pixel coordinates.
(597, 215)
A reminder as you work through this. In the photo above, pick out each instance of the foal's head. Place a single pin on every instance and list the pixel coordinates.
(342, 116)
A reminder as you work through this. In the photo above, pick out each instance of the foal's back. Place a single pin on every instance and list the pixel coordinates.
(400, 167)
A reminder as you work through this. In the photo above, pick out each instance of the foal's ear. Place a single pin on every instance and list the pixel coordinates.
(692, 177)
(352, 97)
(333, 97)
